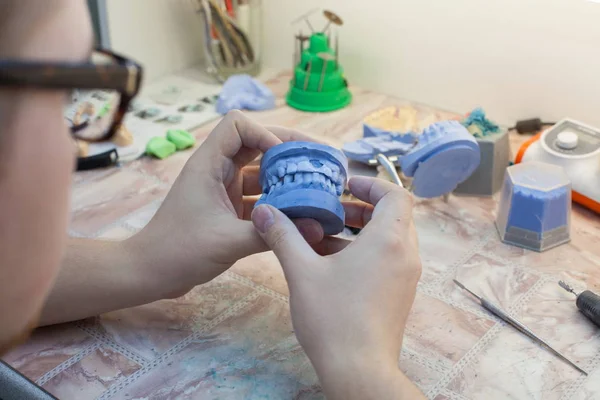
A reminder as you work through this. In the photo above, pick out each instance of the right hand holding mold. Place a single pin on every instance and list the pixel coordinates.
(350, 300)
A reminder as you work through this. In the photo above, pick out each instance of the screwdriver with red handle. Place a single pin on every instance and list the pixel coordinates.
(588, 303)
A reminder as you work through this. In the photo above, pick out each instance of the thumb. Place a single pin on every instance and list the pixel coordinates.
(282, 236)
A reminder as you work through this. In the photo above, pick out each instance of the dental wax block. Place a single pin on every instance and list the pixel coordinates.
(180, 138)
(160, 147)
(535, 206)
(305, 180)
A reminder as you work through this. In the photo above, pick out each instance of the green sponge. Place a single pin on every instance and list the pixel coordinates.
(160, 147)
(180, 138)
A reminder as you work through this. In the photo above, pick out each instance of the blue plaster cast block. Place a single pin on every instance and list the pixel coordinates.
(446, 155)
(363, 150)
(535, 206)
(305, 180)
(242, 92)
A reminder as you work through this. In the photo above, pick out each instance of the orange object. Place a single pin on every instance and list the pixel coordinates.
(575, 196)
(524, 147)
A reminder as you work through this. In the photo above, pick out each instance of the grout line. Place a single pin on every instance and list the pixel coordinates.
(108, 342)
(231, 311)
(249, 282)
(462, 259)
(452, 395)
(66, 364)
(590, 368)
(483, 342)
(423, 361)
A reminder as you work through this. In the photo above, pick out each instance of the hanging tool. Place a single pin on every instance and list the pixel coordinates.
(332, 18)
(304, 17)
(587, 302)
(519, 326)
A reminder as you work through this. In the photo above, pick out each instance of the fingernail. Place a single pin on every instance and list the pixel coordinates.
(263, 218)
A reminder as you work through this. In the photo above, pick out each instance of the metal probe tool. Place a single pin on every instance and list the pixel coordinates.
(519, 326)
(389, 168)
(587, 302)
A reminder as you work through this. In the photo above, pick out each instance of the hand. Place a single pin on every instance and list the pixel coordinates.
(350, 300)
(202, 227)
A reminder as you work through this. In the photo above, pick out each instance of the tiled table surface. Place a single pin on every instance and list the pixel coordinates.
(233, 339)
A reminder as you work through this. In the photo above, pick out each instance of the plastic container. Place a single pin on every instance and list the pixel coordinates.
(534, 211)
(233, 47)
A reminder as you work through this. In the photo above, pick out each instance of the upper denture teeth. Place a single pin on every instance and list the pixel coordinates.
(304, 166)
(281, 171)
(327, 171)
(292, 168)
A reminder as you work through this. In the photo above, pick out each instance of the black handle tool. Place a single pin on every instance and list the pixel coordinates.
(588, 303)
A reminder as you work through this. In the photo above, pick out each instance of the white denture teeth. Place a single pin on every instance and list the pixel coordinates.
(287, 179)
(305, 166)
(292, 168)
(298, 177)
(281, 171)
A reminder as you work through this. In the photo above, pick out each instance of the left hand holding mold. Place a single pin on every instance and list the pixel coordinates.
(203, 227)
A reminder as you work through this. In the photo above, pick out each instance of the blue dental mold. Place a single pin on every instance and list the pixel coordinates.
(305, 180)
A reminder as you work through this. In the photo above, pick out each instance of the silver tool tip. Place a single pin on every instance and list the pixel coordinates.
(566, 286)
(460, 285)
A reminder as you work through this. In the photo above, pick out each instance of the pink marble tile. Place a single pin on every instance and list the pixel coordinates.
(151, 329)
(423, 372)
(551, 313)
(166, 170)
(47, 348)
(110, 198)
(500, 283)
(511, 366)
(263, 269)
(437, 331)
(118, 232)
(446, 232)
(86, 177)
(91, 376)
(590, 387)
(141, 217)
(567, 257)
(252, 355)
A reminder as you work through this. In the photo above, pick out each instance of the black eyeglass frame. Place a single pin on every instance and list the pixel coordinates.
(124, 76)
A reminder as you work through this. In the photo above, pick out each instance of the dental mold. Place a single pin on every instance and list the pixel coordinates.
(446, 155)
(305, 180)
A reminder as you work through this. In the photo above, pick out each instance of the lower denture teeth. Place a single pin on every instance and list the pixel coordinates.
(287, 179)
(298, 177)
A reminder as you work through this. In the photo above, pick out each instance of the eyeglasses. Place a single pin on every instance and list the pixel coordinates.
(99, 117)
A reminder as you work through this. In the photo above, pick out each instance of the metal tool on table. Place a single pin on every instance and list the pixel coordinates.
(390, 168)
(587, 302)
(516, 324)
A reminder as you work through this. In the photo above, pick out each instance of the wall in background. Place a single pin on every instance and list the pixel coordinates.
(516, 58)
(164, 36)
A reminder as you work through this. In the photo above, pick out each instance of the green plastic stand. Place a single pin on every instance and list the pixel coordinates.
(318, 84)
